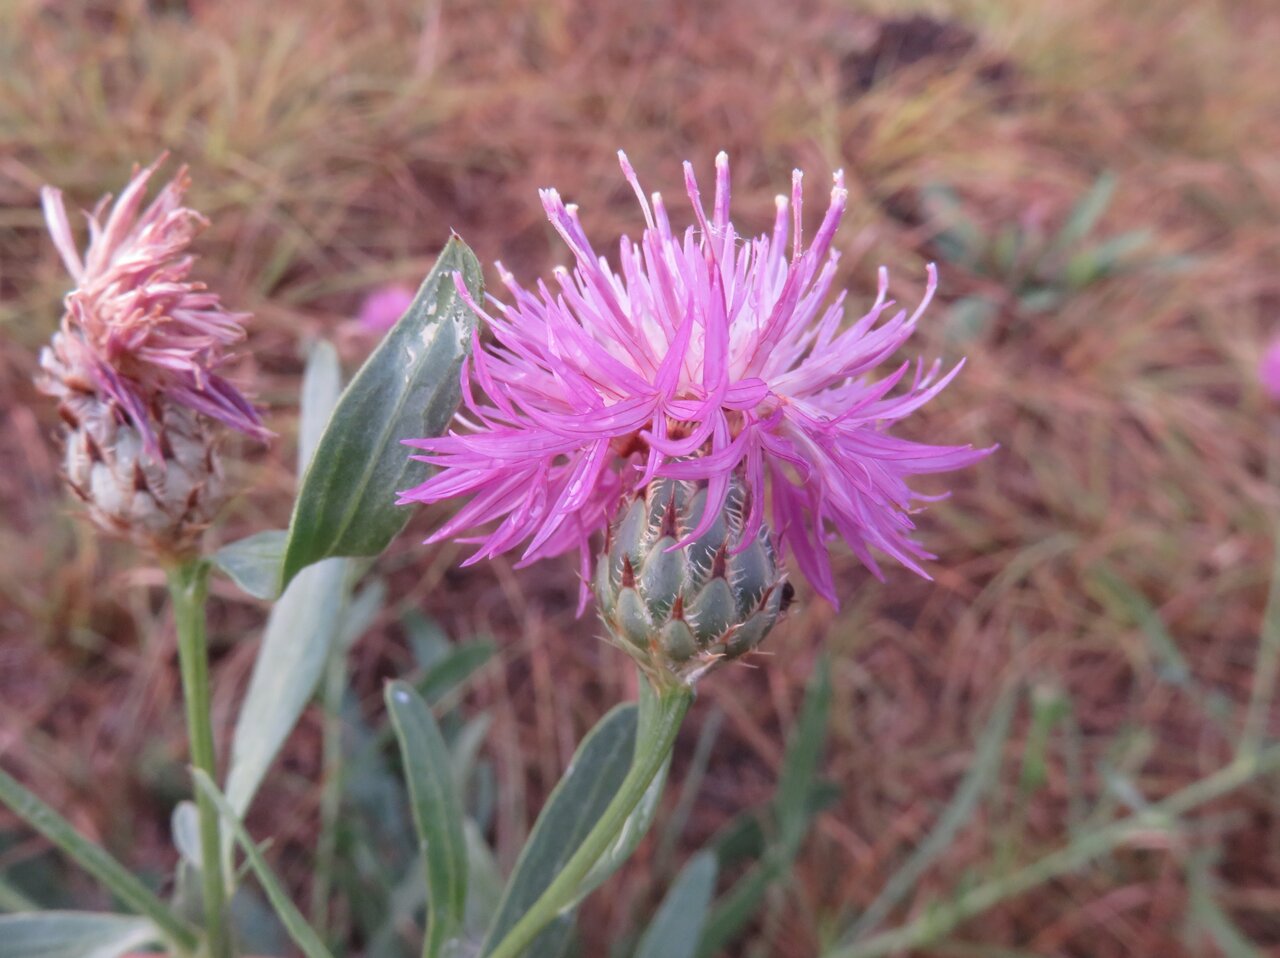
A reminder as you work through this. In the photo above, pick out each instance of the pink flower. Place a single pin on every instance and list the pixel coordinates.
(708, 354)
(136, 330)
(1269, 370)
(383, 307)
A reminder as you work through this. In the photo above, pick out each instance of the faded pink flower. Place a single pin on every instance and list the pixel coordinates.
(1269, 370)
(709, 354)
(383, 307)
(136, 330)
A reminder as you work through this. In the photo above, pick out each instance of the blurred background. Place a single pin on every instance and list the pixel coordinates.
(1099, 184)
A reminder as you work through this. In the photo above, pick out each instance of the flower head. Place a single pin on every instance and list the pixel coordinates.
(137, 332)
(132, 367)
(707, 356)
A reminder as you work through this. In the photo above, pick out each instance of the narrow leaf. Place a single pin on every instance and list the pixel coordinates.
(253, 563)
(804, 751)
(256, 562)
(302, 934)
(321, 390)
(73, 934)
(678, 924)
(576, 803)
(437, 813)
(408, 387)
(299, 636)
(454, 668)
(633, 830)
(93, 859)
(1084, 217)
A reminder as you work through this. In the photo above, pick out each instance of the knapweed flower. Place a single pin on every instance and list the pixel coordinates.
(132, 365)
(705, 357)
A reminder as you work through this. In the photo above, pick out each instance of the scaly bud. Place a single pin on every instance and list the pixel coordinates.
(681, 609)
(132, 366)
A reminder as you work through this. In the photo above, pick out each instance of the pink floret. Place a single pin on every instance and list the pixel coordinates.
(137, 330)
(708, 353)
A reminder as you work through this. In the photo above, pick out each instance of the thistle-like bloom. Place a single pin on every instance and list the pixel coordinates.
(708, 357)
(132, 365)
(137, 332)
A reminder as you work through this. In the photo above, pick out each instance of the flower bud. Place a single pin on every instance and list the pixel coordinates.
(161, 504)
(679, 610)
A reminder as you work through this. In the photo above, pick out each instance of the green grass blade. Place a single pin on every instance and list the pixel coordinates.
(94, 859)
(981, 776)
(804, 752)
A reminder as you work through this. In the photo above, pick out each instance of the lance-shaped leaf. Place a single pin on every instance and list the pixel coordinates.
(253, 562)
(594, 776)
(408, 388)
(73, 934)
(677, 926)
(437, 813)
(303, 624)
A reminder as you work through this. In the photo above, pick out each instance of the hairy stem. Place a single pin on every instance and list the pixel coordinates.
(188, 586)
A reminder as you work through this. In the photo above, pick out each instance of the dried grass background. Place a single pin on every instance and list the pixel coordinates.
(334, 145)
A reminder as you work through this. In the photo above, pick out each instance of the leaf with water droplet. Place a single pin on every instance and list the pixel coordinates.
(408, 388)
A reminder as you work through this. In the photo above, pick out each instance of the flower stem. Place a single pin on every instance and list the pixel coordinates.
(188, 586)
(661, 713)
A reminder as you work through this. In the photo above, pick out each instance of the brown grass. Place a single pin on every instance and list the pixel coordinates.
(335, 145)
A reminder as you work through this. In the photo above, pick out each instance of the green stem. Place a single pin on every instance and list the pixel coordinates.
(661, 713)
(188, 587)
(941, 918)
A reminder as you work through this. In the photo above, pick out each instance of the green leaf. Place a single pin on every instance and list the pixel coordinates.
(454, 668)
(1106, 259)
(73, 934)
(437, 813)
(1086, 213)
(408, 388)
(253, 563)
(321, 391)
(256, 562)
(800, 796)
(184, 825)
(677, 926)
(804, 751)
(969, 319)
(576, 803)
(302, 934)
(93, 859)
(300, 633)
(303, 625)
(484, 882)
(633, 830)
(554, 941)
